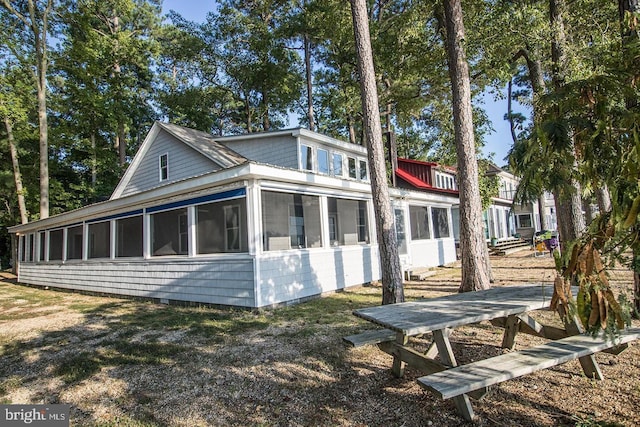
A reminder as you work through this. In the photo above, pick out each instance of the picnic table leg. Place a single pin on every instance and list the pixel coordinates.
(398, 365)
(589, 365)
(511, 328)
(462, 402)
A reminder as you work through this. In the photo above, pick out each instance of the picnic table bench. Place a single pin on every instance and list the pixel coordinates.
(506, 307)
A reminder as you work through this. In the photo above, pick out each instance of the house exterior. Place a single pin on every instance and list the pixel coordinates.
(250, 221)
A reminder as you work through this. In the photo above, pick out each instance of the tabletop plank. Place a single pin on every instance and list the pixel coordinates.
(418, 317)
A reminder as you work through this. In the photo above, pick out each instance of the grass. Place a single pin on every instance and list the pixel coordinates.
(131, 331)
(78, 367)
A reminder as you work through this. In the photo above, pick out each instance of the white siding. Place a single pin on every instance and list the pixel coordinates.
(292, 275)
(432, 252)
(184, 162)
(222, 281)
(277, 150)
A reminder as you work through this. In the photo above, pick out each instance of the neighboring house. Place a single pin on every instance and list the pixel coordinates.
(252, 221)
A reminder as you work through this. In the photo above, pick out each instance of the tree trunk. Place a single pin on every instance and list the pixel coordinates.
(17, 177)
(94, 161)
(38, 24)
(352, 129)
(542, 212)
(603, 198)
(538, 86)
(571, 199)
(629, 36)
(473, 248)
(307, 65)
(122, 143)
(266, 123)
(392, 289)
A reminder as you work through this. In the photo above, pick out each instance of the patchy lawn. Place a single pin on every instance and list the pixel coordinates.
(121, 362)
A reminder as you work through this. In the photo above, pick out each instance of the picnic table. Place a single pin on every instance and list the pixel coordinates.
(507, 307)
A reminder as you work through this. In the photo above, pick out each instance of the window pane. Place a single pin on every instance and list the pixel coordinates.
(419, 218)
(364, 175)
(100, 240)
(323, 161)
(43, 244)
(337, 164)
(524, 220)
(290, 221)
(348, 222)
(306, 157)
(353, 172)
(129, 237)
(221, 227)
(164, 167)
(32, 248)
(169, 233)
(440, 222)
(74, 242)
(22, 249)
(55, 245)
(401, 234)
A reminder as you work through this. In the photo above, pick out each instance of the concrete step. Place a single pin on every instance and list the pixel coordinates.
(418, 274)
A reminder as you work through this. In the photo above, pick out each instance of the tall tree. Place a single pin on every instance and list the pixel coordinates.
(105, 62)
(475, 255)
(570, 219)
(256, 63)
(12, 110)
(392, 289)
(34, 18)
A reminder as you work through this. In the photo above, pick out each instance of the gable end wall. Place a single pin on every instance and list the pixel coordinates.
(184, 162)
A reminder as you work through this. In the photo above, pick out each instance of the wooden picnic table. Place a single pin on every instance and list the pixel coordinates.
(507, 307)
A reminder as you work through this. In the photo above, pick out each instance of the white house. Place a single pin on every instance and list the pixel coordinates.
(252, 220)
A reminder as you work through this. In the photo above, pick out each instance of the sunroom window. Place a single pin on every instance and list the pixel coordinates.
(99, 240)
(169, 233)
(221, 227)
(74, 242)
(440, 218)
(348, 222)
(290, 221)
(419, 218)
(129, 237)
(55, 245)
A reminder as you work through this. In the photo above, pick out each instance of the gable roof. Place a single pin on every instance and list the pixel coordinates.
(205, 144)
(199, 141)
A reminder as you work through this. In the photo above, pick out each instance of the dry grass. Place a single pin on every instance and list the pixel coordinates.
(130, 363)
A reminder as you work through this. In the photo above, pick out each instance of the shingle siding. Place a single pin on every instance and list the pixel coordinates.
(184, 162)
(279, 151)
(223, 281)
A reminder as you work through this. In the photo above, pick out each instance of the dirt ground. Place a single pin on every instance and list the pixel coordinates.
(133, 363)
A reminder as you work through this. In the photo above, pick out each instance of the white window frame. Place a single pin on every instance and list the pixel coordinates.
(363, 168)
(328, 157)
(519, 223)
(163, 171)
(306, 163)
(334, 157)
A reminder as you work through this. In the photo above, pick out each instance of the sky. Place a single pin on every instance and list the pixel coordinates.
(498, 142)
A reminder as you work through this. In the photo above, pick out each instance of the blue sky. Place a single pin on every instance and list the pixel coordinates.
(499, 142)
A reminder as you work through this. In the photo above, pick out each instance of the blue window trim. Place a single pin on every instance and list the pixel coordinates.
(197, 200)
(116, 216)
